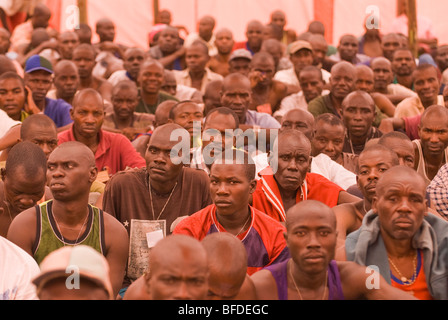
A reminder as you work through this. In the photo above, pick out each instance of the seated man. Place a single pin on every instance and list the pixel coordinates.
(239, 62)
(348, 50)
(124, 119)
(68, 219)
(67, 42)
(431, 151)
(358, 113)
(373, 162)
(401, 239)
(189, 116)
(267, 93)
(401, 145)
(312, 266)
(38, 77)
(92, 268)
(219, 63)
(169, 51)
(287, 180)
(23, 183)
(438, 192)
(232, 183)
(66, 81)
(254, 35)
(150, 80)
(132, 60)
(329, 136)
(180, 91)
(113, 152)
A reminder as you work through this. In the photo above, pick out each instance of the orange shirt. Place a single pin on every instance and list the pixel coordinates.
(419, 288)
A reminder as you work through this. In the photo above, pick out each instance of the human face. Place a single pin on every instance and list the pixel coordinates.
(40, 83)
(404, 150)
(230, 189)
(297, 121)
(106, 31)
(57, 290)
(434, 135)
(125, 101)
(364, 81)
(178, 278)
(348, 48)
(254, 34)
(442, 57)
(23, 192)
(311, 84)
(222, 289)
(445, 96)
(69, 174)
(68, 41)
(342, 82)
(205, 28)
(132, 62)
(266, 69)
(390, 43)
(87, 116)
(279, 19)
(237, 97)
(169, 85)
(240, 65)
(293, 161)
(311, 239)
(85, 61)
(4, 41)
(158, 161)
(45, 137)
(301, 59)
(426, 84)
(320, 50)
(151, 78)
(403, 64)
(66, 82)
(224, 42)
(372, 164)
(220, 123)
(196, 58)
(186, 115)
(328, 139)
(401, 207)
(12, 97)
(168, 40)
(358, 114)
(382, 74)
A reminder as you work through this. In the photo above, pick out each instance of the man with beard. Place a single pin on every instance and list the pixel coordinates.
(342, 82)
(287, 180)
(382, 76)
(358, 113)
(312, 273)
(400, 237)
(23, 182)
(67, 42)
(372, 163)
(431, 151)
(38, 77)
(150, 81)
(389, 44)
(132, 60)
(267, 93)
(403, 65)
(66, 81)
(169, 51)
(427, 86)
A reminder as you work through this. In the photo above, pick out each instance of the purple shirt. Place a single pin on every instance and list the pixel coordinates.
(59, 111)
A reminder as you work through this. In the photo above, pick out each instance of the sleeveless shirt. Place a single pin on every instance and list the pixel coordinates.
(279, 272)
(421, 169)
(49, 239)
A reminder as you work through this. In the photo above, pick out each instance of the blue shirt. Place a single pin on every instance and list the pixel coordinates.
(59, 111)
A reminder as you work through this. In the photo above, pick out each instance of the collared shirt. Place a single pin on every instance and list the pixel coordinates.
(438, 191)
(413, 106)
(115, 152)
(183, 77)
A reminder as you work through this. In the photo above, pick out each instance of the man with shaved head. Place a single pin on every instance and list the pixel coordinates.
(204, 33)
(67, 42)
(219, 63)
(66, 81)
(254, 35)
(105, 29)
(288, 181)
(348, 51)
(68, 219)
(312, 273)
(113, 152)
(132, 61)
(431, 151)
(400, 237)
(169, 51)
(403, 65)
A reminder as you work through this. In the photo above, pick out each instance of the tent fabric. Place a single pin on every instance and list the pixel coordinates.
(134, 19)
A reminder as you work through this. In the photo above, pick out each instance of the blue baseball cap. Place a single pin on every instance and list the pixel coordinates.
(36, 62)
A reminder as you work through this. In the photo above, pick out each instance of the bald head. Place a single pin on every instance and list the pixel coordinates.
(299, 119)
(307, 210)
(398, 174)
(63, 65)
(432, 112)
(88, 93)
(78, 150)
(163, 111)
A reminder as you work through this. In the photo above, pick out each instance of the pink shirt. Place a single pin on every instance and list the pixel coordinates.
(115, 152)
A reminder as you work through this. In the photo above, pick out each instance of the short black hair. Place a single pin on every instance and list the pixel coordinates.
(27, 156)
(238, 157)
(226, 111)
(12, 75)
(172, 114)
(40, 120)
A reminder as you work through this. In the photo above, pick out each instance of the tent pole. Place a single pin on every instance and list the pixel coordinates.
(155, 5)
(82, 5)
(412, 27)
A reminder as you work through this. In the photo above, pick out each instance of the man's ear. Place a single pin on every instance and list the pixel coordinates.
(3, 173)
(253, 186)
(93, 174)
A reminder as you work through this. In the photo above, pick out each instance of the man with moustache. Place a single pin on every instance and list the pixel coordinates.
(399, 236)
(169, 51)
(132, 60)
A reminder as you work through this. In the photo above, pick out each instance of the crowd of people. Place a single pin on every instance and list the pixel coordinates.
(282, 167)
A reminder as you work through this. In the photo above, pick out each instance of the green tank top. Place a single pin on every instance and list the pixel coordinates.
(49, 239)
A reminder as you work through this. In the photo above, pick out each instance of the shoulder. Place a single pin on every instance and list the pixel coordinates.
(265, 285)
(127, 176)
(195, 175)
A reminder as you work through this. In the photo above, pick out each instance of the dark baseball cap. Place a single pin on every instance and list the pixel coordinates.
(36, 62)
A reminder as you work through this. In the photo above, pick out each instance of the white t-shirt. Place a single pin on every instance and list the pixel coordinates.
(17, 270)
(6, 123)
(289, 76)
(321, 164)
(294, 101)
